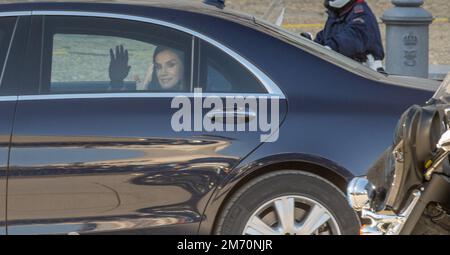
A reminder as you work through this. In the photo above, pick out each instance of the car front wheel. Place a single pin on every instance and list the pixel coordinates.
(288, 203)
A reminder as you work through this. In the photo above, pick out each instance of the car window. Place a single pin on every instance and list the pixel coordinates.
(100, 55)
(223, 74)
(6, 30)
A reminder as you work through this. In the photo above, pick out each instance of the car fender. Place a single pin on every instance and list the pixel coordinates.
(246, 171)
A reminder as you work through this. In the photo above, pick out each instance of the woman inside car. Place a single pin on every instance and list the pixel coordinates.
(165, 73)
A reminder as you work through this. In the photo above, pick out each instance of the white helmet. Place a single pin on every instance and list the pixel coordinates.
(336, 5)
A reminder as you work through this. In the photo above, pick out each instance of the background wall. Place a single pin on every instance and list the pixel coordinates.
(309, 15)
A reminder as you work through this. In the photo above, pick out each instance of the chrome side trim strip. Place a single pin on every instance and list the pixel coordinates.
(133, 95)
(270, 86)
(11, 14)
(8, 98)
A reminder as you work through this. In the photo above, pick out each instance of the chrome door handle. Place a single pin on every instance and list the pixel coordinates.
(229, 116)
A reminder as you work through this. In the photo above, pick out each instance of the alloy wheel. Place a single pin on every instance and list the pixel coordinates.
(292, 215)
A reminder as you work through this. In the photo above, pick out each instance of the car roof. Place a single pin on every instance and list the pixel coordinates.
(111, 6)
(186, 5)
(165, 3)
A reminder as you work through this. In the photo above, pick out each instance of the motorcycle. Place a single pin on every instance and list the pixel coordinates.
(407, 190)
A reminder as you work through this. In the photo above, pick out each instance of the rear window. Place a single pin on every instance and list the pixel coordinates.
(220, 73)
(6, 30)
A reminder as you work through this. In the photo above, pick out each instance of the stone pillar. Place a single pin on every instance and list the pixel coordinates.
(407, 38)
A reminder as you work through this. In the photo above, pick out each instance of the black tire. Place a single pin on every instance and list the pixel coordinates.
(256, 193)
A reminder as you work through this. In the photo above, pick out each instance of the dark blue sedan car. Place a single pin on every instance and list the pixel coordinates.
(96, 133)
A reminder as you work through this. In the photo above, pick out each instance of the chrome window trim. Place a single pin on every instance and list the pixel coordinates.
(270, 86)
(8, 98)
(135, 95)
(12, 14)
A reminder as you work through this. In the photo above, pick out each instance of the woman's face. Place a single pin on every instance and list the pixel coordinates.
(169, 69)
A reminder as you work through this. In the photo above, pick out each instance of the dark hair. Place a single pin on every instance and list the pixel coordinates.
(154, 84)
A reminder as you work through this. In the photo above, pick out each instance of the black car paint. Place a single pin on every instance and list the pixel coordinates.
(6, 120)
(337, 126)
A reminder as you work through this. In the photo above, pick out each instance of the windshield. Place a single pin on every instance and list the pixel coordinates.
(443, 92)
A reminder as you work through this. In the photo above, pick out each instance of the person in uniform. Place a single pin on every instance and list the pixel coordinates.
(352, 30)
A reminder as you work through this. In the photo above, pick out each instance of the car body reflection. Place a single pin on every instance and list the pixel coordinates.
(106, 184)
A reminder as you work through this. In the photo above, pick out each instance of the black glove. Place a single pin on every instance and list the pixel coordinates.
(382, 71)
(118, 67)
(307, 35)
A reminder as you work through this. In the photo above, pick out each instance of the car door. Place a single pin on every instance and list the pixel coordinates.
(13, 31)
(88, 156)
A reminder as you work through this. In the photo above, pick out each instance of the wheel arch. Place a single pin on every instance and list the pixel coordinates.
(324, 168)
